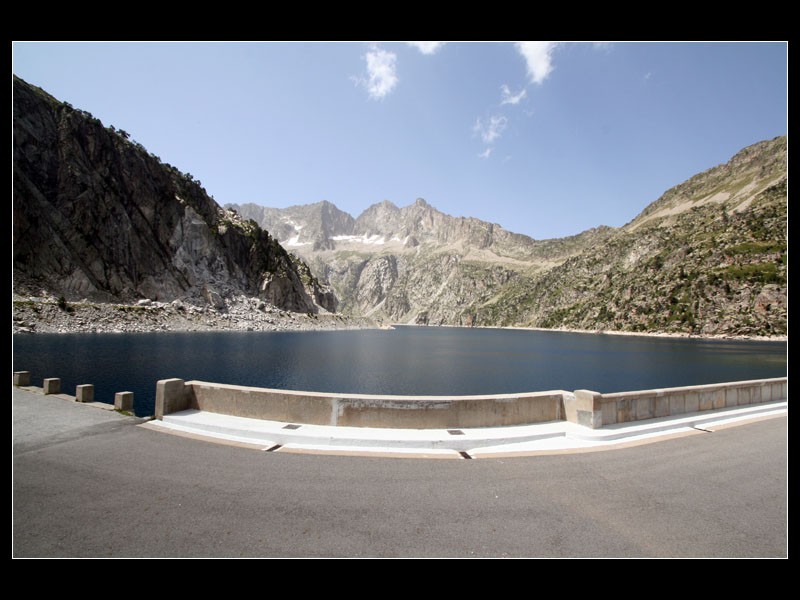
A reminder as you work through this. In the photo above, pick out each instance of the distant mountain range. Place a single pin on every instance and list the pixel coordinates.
(707, 257)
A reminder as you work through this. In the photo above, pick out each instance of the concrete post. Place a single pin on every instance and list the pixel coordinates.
(123, 401)
(589, 408)
(22, 378)
(52, 385)
(170, 397)
(570, 410)
(84, 393)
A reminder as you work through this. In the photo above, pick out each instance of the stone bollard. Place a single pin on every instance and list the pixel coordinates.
(123, 401)
(52, 385)
(22, 378)
(84, 393)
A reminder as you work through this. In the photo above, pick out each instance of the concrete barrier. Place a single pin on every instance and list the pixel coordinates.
(84, 393)
(172, 395)
(583, 407)
(595, 410)
(123, 401)
(22, 378)
(359, 410)
(51, 385)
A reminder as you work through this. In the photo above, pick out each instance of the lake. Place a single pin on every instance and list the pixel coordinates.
(407, 360)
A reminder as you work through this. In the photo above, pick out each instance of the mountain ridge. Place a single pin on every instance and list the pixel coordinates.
(477, 273)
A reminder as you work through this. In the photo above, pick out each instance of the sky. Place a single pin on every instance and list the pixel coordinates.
(546, 139)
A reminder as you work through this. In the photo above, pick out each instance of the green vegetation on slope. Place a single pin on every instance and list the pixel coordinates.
(711, 271)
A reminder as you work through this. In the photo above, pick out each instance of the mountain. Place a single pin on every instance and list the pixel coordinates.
(312, 224)
(708, 257)
(412, 264)
(98, 217)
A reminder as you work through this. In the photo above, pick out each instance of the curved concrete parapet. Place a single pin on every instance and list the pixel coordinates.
(359, 410)
(584, 407)
(595, 410)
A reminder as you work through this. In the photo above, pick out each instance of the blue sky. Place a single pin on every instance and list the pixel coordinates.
(546, 139)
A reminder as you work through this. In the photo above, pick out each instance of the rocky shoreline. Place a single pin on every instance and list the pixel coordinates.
(48, 314)
(672, 334)
(661, 334)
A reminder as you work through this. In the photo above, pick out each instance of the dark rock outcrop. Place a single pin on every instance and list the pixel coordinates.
(98, 217)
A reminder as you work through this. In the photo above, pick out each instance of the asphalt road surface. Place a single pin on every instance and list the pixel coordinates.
(91, 483)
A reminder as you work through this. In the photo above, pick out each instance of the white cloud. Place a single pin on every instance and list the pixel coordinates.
(538, 57)
(381, 73)
(427, 47)
(509, 98)
(486, 153)
(604, 46)
(490, 130)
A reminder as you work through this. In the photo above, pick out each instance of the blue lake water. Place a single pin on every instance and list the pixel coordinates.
(408, 360)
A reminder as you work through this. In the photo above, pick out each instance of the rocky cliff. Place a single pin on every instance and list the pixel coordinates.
(708, 257)
(98, 217)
